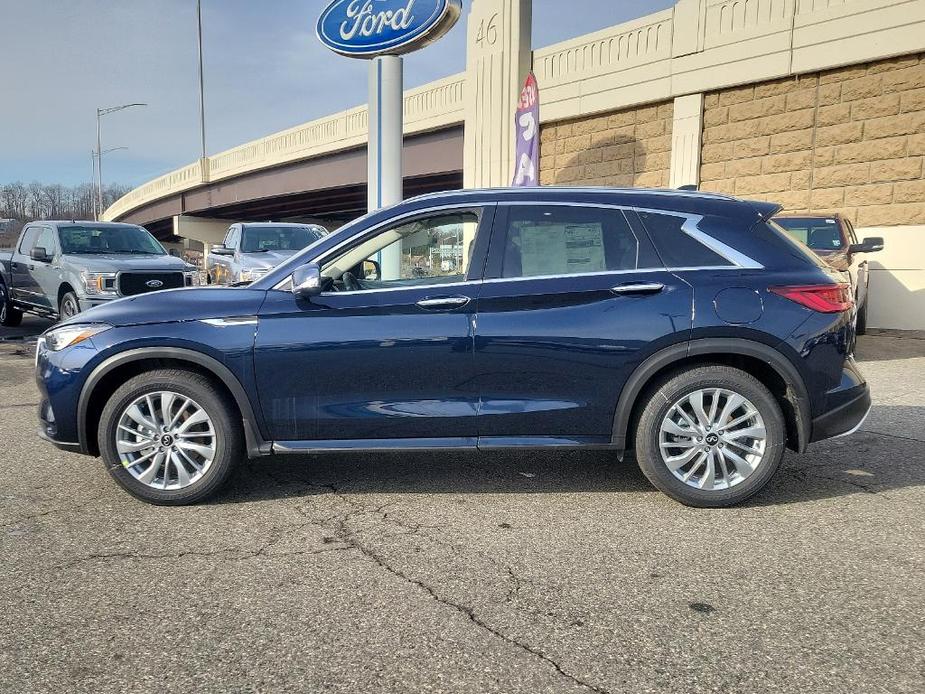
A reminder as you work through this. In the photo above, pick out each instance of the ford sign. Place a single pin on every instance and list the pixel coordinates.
(154, 284)
(367, 28)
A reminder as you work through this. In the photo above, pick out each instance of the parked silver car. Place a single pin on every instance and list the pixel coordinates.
(251, 250)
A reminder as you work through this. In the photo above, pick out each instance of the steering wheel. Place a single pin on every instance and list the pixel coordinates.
(350, 282)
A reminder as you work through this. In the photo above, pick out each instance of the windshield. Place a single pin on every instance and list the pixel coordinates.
(289, 238)
(819, 233)
(86, 240)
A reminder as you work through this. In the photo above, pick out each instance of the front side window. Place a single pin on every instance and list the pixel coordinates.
(562, 240)
(46, 240)
(284, 238)
(427, 251)
(89, 240)
(28, 240)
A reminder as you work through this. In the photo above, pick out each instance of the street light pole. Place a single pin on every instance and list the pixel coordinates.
(100, 112)
(202, 100)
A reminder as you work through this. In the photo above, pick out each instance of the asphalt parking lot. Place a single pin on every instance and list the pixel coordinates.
(470, 573)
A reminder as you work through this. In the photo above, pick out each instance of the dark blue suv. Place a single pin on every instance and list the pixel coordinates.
(683, 326)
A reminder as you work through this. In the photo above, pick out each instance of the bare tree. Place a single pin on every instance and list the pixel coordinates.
(24, 203)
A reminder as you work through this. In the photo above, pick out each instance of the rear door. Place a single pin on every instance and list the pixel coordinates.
(574, 299)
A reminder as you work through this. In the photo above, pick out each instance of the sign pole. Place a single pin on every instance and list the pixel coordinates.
(386, 132)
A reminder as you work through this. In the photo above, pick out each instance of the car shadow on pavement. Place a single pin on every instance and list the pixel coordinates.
(877, 460)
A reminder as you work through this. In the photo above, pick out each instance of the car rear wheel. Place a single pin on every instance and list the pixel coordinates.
(69, 306)
(10, 317)
(169, 437)
(709, 437)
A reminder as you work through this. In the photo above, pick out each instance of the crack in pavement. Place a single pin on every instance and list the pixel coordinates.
(19, 405)
(350, 539)
(51, 512)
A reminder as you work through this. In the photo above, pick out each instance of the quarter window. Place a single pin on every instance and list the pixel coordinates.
(563, 240)
(677, 248)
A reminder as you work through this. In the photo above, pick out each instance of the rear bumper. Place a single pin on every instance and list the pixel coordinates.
(845, 419)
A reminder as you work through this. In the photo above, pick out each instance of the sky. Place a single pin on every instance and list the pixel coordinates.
(265, 71)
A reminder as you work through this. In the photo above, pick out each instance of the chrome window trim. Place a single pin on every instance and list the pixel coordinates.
(689, 227)
(380, 290)
(388, 222)
(576, 189)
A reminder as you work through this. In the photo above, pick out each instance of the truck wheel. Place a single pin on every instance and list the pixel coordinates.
(169, 437)
(712, 436)
(10, 317)
(69, 306)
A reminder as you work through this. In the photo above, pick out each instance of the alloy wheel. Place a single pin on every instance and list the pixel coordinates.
(3, 306)
(712, 438)
(165, 440)
(68, 308)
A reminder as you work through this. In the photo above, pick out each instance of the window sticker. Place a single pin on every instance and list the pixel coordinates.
(561, 249)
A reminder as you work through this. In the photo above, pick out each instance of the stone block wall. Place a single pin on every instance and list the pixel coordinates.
(850, 140)
(622, 148)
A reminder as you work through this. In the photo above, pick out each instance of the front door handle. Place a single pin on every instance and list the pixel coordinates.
(638, 288)
(446, 302)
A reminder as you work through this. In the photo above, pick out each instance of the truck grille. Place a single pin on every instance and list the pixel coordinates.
(131, 283)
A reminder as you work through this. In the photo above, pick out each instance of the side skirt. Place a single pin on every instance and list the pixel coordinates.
(485, 443)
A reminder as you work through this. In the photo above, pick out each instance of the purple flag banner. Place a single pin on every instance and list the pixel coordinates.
(527, 124)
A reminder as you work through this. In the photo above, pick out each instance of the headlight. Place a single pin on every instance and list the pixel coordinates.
(191, 279)
(58, 338)
(99, 283)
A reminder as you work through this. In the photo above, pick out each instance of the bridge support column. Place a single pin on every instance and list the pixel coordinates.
(499, 56)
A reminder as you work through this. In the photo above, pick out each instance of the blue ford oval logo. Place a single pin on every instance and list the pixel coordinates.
(154, 284)
(366, 28)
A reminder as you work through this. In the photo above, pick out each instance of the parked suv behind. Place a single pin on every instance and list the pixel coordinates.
(250, 251)
(832, 238)
(679, 325)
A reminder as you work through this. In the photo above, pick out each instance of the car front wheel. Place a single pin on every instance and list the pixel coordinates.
(709, 437)
(169, 437)
(69, 307)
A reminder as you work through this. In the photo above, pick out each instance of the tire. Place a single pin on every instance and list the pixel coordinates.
(69, 306)
(732, 482)
(861, 326)
(165, 487)
(10, 317)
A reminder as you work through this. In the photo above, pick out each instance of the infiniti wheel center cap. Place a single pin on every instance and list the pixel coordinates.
(166, 440)
(712, 439)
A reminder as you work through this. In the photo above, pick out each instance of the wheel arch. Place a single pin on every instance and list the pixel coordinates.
(764, 362)
(115, 370)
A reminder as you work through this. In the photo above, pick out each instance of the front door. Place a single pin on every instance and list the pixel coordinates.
(385, 353)
(574, 299)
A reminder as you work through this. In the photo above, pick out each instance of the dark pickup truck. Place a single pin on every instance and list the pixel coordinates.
(59, 269)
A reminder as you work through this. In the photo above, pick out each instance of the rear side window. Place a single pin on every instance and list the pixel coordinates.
(678, 248)
(560, 240)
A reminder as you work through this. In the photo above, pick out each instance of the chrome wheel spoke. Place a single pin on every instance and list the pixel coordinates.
(701, 445)
(165, 440)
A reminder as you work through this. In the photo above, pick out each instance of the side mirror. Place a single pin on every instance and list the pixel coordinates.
(306, 281)
(372, 270)
(40, 255)
(871, 244)
(222, 250)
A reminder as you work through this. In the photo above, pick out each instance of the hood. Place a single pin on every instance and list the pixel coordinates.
(266, 260)
(122, 262)
(174, 306)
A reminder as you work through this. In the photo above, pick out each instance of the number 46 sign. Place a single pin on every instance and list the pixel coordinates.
(527, 125)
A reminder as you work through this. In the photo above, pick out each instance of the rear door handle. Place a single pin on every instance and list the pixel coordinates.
(446, 302)
(638, 288)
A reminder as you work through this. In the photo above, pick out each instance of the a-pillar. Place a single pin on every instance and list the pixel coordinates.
(498, 58)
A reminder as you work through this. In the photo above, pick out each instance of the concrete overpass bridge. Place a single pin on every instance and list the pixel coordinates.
(316, 171)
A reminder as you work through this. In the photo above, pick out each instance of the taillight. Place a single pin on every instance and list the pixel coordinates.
(824, 298)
